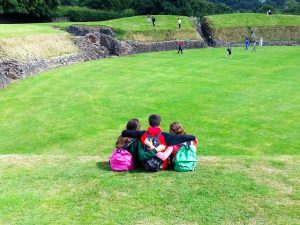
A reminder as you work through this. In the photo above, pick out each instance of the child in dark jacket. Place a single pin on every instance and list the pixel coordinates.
(165, 139)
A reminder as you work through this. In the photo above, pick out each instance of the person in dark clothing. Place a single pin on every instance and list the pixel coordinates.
(210, 41)
(229, 51)
(246, 44)
(180, 47)
(136, 149)
(153, 21)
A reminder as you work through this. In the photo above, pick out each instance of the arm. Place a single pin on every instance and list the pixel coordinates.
(145, 155)
(175, 139)
(164, 155)
(132, 133)
(150, 146)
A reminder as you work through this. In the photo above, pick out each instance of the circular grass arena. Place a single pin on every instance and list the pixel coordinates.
(57, 130)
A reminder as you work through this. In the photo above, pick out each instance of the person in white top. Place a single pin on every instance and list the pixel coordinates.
(261, 42)
(179, 23)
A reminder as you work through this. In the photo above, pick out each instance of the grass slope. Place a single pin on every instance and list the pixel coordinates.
(253, 20)
(247, 105)
(126, 28)
(63, 124)
(83, 190)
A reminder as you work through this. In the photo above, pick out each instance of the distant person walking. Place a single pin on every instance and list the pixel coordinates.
(153, 21)
(246, 44)
(179, 23)
(180, 47)
(254, 47)
(229, 52)
(261, 42)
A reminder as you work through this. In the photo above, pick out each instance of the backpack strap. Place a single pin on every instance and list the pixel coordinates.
(187, 146)
(127, 145)
(158, 135)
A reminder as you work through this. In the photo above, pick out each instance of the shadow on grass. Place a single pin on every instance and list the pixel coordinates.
(104, 165)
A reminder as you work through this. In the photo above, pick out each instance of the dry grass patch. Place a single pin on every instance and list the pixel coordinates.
(162, 35)
(40, 46)
(267, 33)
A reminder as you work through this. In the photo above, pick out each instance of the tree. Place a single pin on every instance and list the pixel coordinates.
(291, 6)
(41, 9)
(108, 4)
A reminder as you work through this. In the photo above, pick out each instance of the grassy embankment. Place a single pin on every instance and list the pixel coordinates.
(236, 27)
(63, 124)
(23, 41)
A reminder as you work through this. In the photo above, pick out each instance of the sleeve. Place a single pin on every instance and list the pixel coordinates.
(175, 139)
(145, 155)
(164, 155)
(132, 133)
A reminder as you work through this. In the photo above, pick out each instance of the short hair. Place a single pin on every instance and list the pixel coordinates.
(154, 120)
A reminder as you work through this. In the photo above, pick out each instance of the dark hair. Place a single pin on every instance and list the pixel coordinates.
(133, 124)
(176, 128)
(154, 120)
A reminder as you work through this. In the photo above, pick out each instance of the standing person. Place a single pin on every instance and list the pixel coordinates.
(180, 47)
(175, 128)
(153, 21)
(210, 41)
(179, 23)
(261, 42)
(254, 47)
(229, 51)
(148, 18)
(252, 36)
(246, 44)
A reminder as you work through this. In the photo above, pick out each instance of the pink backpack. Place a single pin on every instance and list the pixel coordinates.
(121, 159)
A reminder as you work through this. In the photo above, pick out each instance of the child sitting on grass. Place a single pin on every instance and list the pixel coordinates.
(136, 148)
(177, 128)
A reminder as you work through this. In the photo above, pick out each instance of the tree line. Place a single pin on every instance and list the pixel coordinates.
(44, 10)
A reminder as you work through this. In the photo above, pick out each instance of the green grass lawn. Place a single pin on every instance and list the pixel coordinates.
(125, 27)
(59, 128)
(253, 20)
(247, 105)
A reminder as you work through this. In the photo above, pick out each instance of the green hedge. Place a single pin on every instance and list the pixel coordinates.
(83, 14)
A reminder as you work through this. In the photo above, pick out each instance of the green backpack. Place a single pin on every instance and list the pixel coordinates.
(185, 158)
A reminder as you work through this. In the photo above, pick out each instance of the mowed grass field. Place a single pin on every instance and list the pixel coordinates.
(253, 20)
(59, 128)
(130, 28)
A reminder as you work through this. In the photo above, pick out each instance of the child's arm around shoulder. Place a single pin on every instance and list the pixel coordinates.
(132, 133)
(174, 139)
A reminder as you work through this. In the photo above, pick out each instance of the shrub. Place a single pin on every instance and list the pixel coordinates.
(83, 14)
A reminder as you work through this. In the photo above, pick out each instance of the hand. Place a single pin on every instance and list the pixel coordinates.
(149, 144)
(195, 141)
(160, 148)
